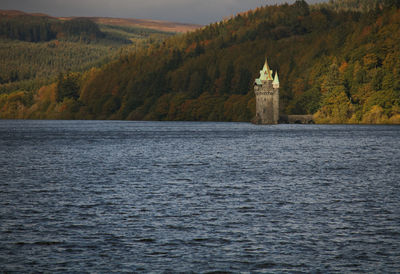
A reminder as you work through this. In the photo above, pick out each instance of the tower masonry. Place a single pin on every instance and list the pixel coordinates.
(266, 89)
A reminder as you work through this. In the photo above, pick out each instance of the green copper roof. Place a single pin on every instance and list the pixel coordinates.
(266, 73)
(266, 67)
(276, 79)
(263, 75)
(258, 82)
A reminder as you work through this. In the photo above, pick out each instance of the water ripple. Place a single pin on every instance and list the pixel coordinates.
(110, 196)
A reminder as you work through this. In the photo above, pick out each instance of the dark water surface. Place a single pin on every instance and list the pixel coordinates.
(102, 196)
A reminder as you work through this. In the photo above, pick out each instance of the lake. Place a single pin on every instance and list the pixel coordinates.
(102, 196)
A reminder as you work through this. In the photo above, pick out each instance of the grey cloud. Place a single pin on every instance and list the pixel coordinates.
(190, 11)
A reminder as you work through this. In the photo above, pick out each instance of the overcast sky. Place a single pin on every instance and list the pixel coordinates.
(186, 11)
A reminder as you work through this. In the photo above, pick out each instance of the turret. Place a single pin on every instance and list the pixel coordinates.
(275, 83)
(265, 73)
(266, 89)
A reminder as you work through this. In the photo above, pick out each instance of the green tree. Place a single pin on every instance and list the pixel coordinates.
(67, 87)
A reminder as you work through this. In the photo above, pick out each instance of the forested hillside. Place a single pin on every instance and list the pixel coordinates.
(35, 28)
(340, 64)
(35, 48)
(356, 5)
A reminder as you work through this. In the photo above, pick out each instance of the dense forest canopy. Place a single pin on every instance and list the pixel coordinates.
(42, 28)
(335, 61)
(34, 49)
(357, 5)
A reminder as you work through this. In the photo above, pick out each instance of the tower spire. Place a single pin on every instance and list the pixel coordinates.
(275, 83)
(266, 67)
(266, 72)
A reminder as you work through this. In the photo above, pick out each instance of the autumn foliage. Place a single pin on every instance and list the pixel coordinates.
(342, 65)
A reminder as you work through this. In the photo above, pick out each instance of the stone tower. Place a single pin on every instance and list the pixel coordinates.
(266, 89)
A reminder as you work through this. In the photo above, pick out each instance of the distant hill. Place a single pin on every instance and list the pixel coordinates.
(339, 64)
(36, 27)
(164, 26)
(35, 47)
(27, 27)
(13, 13)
